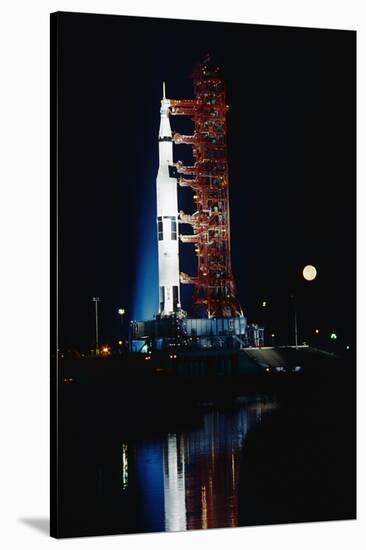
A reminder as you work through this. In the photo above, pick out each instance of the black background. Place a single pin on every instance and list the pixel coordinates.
(291, 133)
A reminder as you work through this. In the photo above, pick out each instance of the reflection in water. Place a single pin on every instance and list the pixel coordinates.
(200, 471)
(174, 484)
(149, 463)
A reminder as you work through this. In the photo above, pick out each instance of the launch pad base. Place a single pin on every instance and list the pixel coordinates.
(191, 333)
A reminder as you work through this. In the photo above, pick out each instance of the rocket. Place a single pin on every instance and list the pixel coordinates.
(167, 218)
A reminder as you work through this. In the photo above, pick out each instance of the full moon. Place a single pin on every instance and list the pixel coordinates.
(309, 272)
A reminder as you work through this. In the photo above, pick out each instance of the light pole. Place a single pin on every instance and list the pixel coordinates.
(121, 312)
(264, 318)
(309, 273)
(296, 335)
(295, 320)
(96, 299)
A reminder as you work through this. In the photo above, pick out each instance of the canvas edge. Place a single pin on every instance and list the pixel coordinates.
(54, 411)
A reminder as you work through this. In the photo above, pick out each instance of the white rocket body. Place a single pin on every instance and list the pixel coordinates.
(167, 219)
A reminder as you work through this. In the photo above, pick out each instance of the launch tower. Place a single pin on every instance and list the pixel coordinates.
(215, 294)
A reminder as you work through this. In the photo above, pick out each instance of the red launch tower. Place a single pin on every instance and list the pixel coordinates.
(214, 293)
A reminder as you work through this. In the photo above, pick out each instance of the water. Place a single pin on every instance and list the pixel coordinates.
(190, 479)
(258, 460)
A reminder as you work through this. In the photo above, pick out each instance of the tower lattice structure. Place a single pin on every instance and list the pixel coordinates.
(214, 290)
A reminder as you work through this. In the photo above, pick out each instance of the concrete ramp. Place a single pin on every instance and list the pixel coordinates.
(290, 357)
(268, 357)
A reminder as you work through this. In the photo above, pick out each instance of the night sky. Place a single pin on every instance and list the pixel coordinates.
(291, 146)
